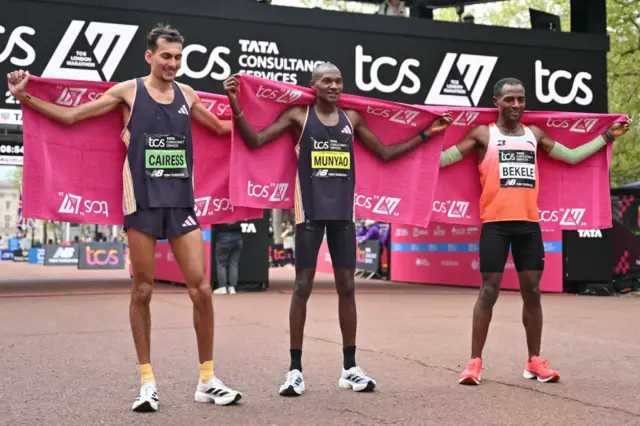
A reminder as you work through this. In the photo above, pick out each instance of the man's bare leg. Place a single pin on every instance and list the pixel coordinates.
(142, 249)
(190, 255)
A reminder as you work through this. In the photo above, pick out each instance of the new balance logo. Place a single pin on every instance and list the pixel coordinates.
(463, 84)
(347, 130)
(94, 55)
(64, 253)
(183, 110)
(189, 222)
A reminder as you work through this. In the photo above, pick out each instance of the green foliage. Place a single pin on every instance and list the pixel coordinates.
(16, 179)
(623, 21)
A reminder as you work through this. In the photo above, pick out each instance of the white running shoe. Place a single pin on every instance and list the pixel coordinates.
(232, 290)
(147, 400)
(293, 384)
(220, 290)
(215, 391)
(355, 378)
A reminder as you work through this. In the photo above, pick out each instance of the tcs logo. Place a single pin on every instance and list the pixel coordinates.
(262, 191)
(156, 143)
(405, 72)
(320, 145)
(364, 201)
(102, 257)
(548, 216)
(507, 156)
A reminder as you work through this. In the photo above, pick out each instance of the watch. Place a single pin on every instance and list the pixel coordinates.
(424, 136)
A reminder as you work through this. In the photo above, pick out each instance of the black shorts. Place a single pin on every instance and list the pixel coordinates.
(164, 222)
(525, 239)
(341, 239)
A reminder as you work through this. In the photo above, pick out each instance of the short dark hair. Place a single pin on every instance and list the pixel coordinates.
(163, 31)
(497, 89)
(322, 68)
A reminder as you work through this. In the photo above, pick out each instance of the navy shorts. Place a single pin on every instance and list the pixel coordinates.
(341, 239)
(164, 222)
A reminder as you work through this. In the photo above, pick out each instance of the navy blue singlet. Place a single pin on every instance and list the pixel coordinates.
(326, 169)
(160, 152)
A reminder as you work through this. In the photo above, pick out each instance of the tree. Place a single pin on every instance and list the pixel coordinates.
(16, 178)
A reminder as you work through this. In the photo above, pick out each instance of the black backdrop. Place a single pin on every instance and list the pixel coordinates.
(405, 63)
(404, 60)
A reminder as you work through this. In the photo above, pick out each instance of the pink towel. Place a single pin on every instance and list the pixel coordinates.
(400, 191)
(571, 196)
(74, 173)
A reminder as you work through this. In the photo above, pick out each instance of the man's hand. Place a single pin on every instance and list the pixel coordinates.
(17, 83)
(619, 129)
(440, 124)
(231, 88)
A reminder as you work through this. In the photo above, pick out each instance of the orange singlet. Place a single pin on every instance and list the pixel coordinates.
(509, 177)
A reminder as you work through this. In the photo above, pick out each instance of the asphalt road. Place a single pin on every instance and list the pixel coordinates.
(67, 356)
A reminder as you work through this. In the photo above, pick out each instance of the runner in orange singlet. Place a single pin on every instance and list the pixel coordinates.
(509, 213)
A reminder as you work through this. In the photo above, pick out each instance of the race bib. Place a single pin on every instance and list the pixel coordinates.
(517, 168)
(165, 157)
(330, 159)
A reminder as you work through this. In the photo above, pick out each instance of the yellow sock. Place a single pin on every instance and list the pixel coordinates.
(206, 371)
(146, 374)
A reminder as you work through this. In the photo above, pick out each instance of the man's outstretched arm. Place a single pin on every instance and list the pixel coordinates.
(575, 155)
(254, 139)
(463, 148)
(389, 152)
(68, 115)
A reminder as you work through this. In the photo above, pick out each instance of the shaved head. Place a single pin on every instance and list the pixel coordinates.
(323, 68)
(326, 82)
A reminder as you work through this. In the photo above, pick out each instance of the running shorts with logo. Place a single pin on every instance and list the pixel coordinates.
(509, 203)
(325, 192)
(163, 222)
(158, 171)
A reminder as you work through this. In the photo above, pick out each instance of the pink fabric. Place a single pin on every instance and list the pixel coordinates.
(571, 196)
(400, 191)
(74, 173)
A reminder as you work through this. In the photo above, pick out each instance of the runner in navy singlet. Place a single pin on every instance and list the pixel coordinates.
(158, 197)
(325, 195)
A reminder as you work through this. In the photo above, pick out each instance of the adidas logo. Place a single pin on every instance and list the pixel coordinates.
(347, 130)
(189, 222)
(183, 110)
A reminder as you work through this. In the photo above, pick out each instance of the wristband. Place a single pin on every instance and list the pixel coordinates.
(424, 136)
(609, 135)
(238, 115)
